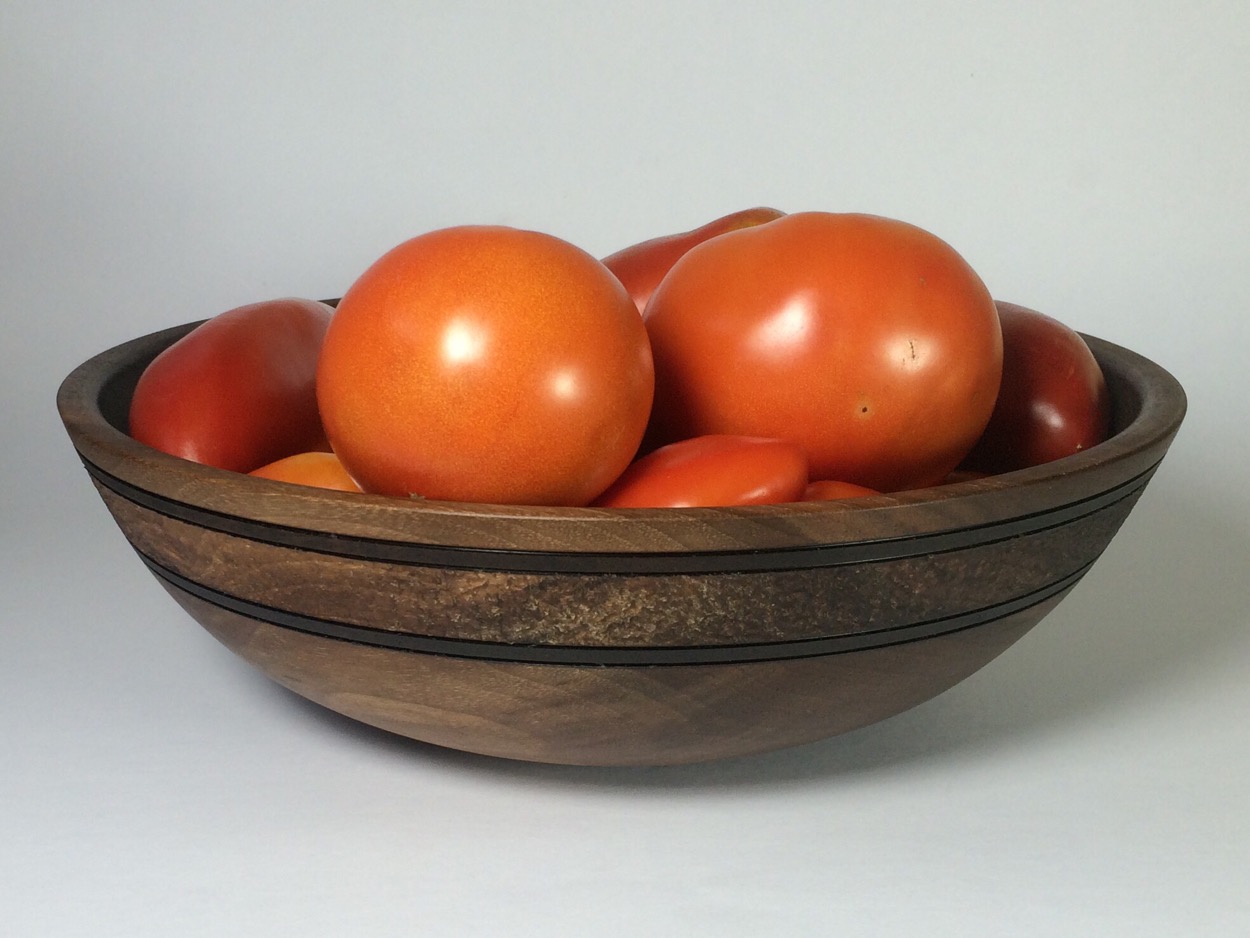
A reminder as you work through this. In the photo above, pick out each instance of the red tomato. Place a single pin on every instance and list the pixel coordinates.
(710, 471)
(641, 267)
(869, 342)
(1053, 400)
(828, 490)
(486, 364)
(319, 469)
(238, 391)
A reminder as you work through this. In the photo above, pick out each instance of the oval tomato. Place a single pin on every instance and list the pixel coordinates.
(828, 490)
(1053, 401)
(641, 267)
(486, 364)
(318, 469)
(239, 390)
(869, 342)
(711, 471)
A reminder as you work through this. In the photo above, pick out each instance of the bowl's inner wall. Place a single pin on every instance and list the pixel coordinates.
(1126, 398)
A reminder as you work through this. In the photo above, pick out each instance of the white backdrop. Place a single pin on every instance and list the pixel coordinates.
(164, 162)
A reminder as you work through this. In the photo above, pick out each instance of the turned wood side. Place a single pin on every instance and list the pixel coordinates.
(610, 716)
(617, 609)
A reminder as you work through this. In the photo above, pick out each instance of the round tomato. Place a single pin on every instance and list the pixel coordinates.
(1053, 400)
(486, 364)
(869, 342)
(828, 490)
(319, 469)
(711, 471)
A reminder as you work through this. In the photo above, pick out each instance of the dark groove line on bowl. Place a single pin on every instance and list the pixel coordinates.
(609, 655)
(621, 562)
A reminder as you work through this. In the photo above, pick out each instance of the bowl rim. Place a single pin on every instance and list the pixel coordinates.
(1148, 407)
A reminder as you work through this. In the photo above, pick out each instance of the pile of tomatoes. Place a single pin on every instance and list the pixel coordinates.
(762, 358)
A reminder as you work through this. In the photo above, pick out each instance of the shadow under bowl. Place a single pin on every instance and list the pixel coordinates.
(617, 636)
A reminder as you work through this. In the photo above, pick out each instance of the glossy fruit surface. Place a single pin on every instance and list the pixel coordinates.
(641, 267)
(869, 342)
(319, 469)
(238, 391)
(486, 364)
(711, 471)
(1053, 401)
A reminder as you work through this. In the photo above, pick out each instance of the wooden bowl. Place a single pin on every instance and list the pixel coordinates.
(625, 636)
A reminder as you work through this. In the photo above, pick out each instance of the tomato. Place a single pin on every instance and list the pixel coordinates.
(641, 267)
(869, 342)
(828, 490)
(1053, 400)
(239, 390)
(317, 468)
(711, 471)
(486, 364)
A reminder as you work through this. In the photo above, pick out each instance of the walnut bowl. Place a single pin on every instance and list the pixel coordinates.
(625, 636)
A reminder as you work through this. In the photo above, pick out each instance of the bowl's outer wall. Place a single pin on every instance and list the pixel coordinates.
(594, 715)
(615, 618)
(681, 636)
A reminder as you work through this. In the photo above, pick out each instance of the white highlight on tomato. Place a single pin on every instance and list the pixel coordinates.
(786, 328)
(565, 385)
(463, 342)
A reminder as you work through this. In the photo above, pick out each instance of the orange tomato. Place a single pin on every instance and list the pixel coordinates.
(319, 469)
(486, 364)
(869, 342)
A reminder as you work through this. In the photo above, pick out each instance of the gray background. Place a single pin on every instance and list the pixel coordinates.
(164, 162)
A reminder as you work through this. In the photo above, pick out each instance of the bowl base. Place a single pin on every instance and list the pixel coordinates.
(625, 715)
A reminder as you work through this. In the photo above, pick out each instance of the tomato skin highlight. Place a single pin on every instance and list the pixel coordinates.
(828, 490)
(318, 469)
(486, 364)
(1053, 401)
(711, 471)
(641, 267)
(869, 342)
(238, 391)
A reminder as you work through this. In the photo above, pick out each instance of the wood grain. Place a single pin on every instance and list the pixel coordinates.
(600, 636)
(615, 610)
(611, 716)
